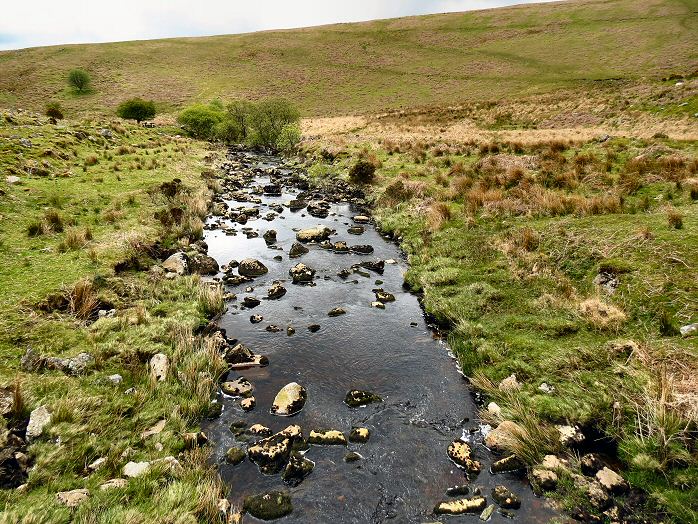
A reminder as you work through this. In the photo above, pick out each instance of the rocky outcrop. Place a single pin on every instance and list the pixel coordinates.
(289, 400)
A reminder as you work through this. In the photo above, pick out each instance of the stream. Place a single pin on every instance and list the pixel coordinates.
(404, 470)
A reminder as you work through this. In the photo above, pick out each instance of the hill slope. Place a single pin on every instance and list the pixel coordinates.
(436, 59)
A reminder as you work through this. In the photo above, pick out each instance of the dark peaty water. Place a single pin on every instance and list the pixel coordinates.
(405, 469)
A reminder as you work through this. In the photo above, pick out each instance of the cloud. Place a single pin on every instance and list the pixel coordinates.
(49, 22)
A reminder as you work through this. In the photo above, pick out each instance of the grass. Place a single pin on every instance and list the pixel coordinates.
(504, 242)
(62, 234)
(366, 67)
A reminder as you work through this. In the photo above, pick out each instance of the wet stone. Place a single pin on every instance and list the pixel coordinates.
(338, 311)
(276, 291)
(314, 328)
(301, 274)
(256, 319)
(268, 506)
(240, 387)
(458, 491)
(357, 398)
(250, 267)
(234, 456)
(460, 453)
(359, 435)
(356, 230)
(383, 296)
(461, 506)
(250, 302)
(289, 400)
(330, 437)
(505, 498)
(352, 456)
(297, 250)
(362, 249)
(297, 469)
(272, 328)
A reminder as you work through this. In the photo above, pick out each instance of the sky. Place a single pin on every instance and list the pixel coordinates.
(32, 23)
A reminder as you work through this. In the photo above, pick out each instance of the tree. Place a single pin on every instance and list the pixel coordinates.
(269, 119)
(54, 110)
(136, 109)
(240, 113)
(199, 121)
(79, 79)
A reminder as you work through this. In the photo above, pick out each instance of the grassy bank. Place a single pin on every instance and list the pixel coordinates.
(569, 264)
(84, 212)
(366, 67)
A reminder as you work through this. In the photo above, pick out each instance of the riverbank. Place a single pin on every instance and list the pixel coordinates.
(105, 373)
(563, 272)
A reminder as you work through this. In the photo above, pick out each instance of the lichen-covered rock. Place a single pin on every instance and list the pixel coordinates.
(356, 398)
(38, 420)
(331, 437)
(159, 366)
(510, 463)
(72, 498)
(260, 430)
(335, 312)
(177, 263)
(251, 268)
(590, 464)
(383, 296)
(234, 456)
(460, 453)
(505, 498)
(361, 219)
(570, 435)
(248, 404)
(272, 453)
(276, 291)
(204, 265)
(315, 234)
(359, 435)
(340, 247)
(238, 354)
(297, 469)
(363, 249)
(268, 506)
(300, 273)
(289, 400)
(240, 387)
(461, 506)
(269, 236)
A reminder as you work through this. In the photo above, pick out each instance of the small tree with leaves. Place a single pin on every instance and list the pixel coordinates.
(79, 79)
(136, 109)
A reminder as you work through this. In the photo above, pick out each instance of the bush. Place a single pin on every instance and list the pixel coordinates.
(54, 110)
(79, 79)
(268, 120)
(136, 109)
(362, 172)
(240, 114)
(199, 121)
(290, 138)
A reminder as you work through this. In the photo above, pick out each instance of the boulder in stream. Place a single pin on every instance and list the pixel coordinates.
(460, 453)
(251, 267)
(505, 498)
(272, 453)
(268, 506)
(297, 469)
(240, 387)
(301, 274)
(359, 435)
(314, 234)
(289, 400)
(297, 250)
(276, 291)
(357, 398)
(461, 506)
(330, 437)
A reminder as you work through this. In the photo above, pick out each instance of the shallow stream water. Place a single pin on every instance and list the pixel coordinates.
(405, 470)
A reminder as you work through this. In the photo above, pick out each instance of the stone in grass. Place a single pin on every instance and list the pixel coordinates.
(72, 498)
(268, 506)
(357, 398)
(505, 498)
(461, 506)
(297, 469)
(359, 435)
(289, 400)
(330, 437)
(234, 456)
(38, 420)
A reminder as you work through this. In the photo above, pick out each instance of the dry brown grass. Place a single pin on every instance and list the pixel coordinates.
(83, 300)
(602, 316)
(437, 215)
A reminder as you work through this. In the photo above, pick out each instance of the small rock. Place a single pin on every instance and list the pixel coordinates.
(115, 379)
(555, 463)
(300, 273)
(256, 319)
(135, 469)
(314, 328)
(289, 400)
(273, 328)
(250, 302)
(570, 435)
(268, 506)
(276, 291)
(487, 513)
(336, 312)
(315, 234)
(361, 219)
(510, 463)
(503, 437)
(543, 479)
(290, 330)
(330, 437)
(611, 481)
(460, 453)
(204, 265)
(689, 330)
(234, 456)
(38, 420)
(590, 464)
(356, 398)
(195, 439)
(352, 456)
(94, 466)
(494, 409)
(356, 230)
(155, 430)
(505, 498)
(239, 387)
(159, 366)
(260, 430)
(72, 498)
(251, 268)
(177, 263)
(297, 250)
(114, 484)
(546, 388)
(77, 365)
(12, 180)
(297, 469)
(272, 453)
(457, 491)
(359, 435)
(384, 296)
(378, 305)
(461, 506)
(269, 236)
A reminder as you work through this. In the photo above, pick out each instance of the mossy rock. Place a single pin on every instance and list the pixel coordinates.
(357, 398)
(268, 506)
(234, 456)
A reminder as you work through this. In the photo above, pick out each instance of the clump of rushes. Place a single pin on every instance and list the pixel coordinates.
(675, 218)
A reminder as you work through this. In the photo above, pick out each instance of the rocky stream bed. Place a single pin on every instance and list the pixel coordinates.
(342, 404)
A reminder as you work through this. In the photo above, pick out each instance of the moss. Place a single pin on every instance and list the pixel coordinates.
(268, 506)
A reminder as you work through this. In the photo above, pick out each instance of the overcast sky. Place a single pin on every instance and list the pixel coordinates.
(31, 23)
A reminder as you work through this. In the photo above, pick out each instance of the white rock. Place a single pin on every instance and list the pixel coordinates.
(690, 329)
(546, 388)
(570, 435)
(72, 498)
(97, 464)
(509, 384)
(38, 420)
(114, 483)
(115, 379)
(12, 180)
(494, 409)
(135, 469)
(176, 263)
(159, 366)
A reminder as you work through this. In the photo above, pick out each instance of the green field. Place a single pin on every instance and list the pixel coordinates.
(365, 67)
